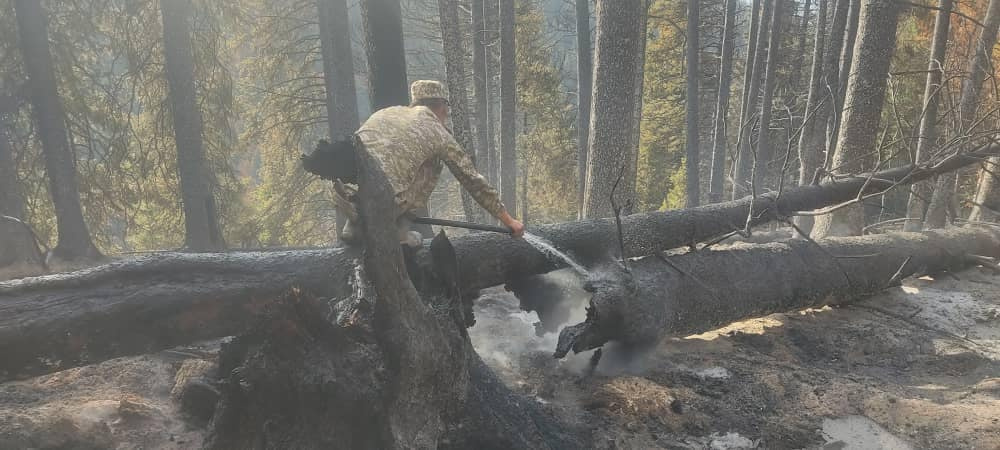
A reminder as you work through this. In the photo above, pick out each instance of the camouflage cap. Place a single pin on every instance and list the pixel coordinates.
(427, 89)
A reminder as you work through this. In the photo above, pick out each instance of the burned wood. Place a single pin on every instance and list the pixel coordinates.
(400, 374)
(158, 301)
(656, 300)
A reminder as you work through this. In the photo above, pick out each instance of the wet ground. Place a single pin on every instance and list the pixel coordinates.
(916, 367)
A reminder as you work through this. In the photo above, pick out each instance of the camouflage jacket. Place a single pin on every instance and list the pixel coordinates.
(412, 146)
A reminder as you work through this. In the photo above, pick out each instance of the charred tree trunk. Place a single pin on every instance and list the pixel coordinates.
(480, 78)
(585, 85)
(748, 65)
(691, 99)
(796, 75)
(846, 60)
(338, 73)
(699, 291)
(11, 198)
(719, 138)
(613, 104)
(862, 113)
(508, 106)
(629, 181)
(387, 85)
(824, 105)
(920, 193)
(60, 163)
(201, 216)
(986, 204)
(386, 56)
(980, 67)
(454, 61)
(762, 177)
(810, 156)
(491, 14)
(744, 157)
(386, 367)
(160, 301)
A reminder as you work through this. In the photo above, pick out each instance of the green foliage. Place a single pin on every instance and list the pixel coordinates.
(547, 145)
(109, 65)
(661, 139)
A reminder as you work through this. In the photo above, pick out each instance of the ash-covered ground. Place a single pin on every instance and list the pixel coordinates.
(915, 367)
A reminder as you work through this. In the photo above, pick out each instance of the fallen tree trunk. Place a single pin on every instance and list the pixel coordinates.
(137, 306)
(699, 291)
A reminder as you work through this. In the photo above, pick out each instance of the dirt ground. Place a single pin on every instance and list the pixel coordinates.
(916, 367)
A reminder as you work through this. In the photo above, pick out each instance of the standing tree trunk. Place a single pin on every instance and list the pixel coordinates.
(11, 198)
(719, 141)
(508, 106)
(640, 67)
(846, 60)
(744, 159)
(980, 67)
(920, 193)
(814, 139)
(480, 79)
(585, 85)
(338, 73)
(809, 156)
(691, 163)
(386, 56)
(762, 176)
(454, 62)
(201, 217)
(748, 65)
(796, 74)
(387, 85)
(986, 204)
(865, 96)
(60, 167)
(614, 100)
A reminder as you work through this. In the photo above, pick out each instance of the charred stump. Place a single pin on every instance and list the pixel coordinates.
(386, 367)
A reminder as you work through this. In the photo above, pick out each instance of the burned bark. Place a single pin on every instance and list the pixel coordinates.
(454, 61)
(50, 118)
(480, 81)
(719, 138)
(979, 69)
(810, 155)
(129, 307)
(920, 194)
(508, 106)
(762, 173)
(692, 193)
(202, 231)
(863, 107)
(383, 23)
(386, 367)
(342, 117)
(744, 158)
(698, 291)
(613, 112)
(584, 81)
(11, 199)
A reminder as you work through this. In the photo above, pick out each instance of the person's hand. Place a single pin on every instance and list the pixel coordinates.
(516, 228)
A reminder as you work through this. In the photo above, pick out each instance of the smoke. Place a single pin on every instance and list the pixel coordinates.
(505, 335)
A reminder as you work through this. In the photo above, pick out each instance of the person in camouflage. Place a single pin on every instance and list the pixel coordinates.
(412, 144)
